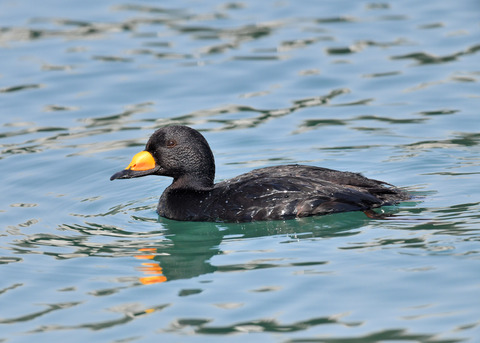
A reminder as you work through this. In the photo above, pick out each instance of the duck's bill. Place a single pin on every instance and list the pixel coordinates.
(142, 164)
(129, 174)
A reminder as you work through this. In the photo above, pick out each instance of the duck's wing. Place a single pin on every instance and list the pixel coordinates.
(296, 191)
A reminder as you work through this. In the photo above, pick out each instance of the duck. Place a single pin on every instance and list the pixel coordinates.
(271, 193)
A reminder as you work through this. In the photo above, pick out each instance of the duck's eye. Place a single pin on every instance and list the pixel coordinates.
(171, 143)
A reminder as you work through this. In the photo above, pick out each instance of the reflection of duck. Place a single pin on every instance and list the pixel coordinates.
(188, 250)
(280, 192)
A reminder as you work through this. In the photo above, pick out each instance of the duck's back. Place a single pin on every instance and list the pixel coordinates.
(289, 191)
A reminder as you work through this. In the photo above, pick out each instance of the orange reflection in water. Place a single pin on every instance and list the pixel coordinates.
(152, 269)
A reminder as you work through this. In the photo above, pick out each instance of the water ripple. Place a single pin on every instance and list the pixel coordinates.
(427, 58)
(20, 88)
(34, 315)
(128, 313)
(262, 325)
(384, 335)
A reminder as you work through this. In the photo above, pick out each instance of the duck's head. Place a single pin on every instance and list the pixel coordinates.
(176, 151)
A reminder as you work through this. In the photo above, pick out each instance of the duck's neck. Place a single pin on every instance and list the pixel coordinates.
(192, 182)
(198, 177)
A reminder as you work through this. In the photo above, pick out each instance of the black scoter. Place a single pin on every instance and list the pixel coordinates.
(271, 193)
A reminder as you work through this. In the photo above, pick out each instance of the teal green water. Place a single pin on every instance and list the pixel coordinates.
(389, 89)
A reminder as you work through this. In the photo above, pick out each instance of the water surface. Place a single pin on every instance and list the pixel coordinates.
(387, 89)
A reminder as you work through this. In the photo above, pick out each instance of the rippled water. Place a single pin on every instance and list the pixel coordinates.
(389, 89)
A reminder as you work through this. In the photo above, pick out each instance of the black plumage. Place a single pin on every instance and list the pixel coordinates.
(272, 193)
